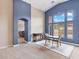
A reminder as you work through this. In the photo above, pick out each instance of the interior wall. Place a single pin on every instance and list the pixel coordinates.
(37, 20)
(5, 25)
(10, 22)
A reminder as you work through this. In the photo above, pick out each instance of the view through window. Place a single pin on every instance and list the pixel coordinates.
(70, 25)
(58, 23)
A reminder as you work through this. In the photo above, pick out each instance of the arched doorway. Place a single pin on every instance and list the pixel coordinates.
(22, 31)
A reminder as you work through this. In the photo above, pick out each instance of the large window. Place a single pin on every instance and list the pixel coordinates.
(59, 25)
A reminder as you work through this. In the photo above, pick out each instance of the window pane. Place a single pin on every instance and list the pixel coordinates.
(70, 25)
(50, 24)
(55, 29)
(58, 29)
(70, 30)
(61, 30)
(58, 18)
(70, 16)
(50, 28)
(50, 19)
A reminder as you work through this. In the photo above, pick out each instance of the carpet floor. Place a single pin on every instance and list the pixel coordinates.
(32, 51)
(64, 49)
(28, 51)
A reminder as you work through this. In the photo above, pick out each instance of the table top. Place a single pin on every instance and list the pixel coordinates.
(50, 36)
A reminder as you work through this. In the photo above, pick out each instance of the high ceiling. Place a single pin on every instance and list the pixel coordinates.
(44, 5)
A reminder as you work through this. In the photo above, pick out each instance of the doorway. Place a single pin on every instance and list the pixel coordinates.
(22, 31)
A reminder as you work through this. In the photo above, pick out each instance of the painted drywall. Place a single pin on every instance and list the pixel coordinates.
(3, 24)
(21, 9)
(10, 22)
(5, 16)
(64, 8)
(37, 20)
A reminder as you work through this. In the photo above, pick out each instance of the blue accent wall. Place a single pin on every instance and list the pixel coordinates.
(64, 8)
(21, 10)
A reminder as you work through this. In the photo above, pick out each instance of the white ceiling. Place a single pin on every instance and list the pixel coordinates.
(44, 5)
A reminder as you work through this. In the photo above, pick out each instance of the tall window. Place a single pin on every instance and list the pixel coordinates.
(70, 25)
(58, 25)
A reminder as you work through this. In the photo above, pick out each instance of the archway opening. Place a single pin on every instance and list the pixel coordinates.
(22, 31)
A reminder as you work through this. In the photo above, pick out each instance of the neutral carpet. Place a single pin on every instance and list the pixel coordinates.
(29, 51)
(64, 49)
(75, 53)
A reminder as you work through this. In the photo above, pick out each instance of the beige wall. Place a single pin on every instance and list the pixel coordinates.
(5, 25)
(37, 20)
(6, 21)
(10, 22)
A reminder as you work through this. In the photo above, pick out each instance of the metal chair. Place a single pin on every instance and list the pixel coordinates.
(49, 38)
(57, 40)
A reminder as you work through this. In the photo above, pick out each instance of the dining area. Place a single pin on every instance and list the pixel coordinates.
(53, 43)
(48, 39)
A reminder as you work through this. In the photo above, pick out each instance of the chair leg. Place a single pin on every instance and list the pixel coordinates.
(49, 41)
(45, 42)
(57, 44)
(60, 43)
(52, 43)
